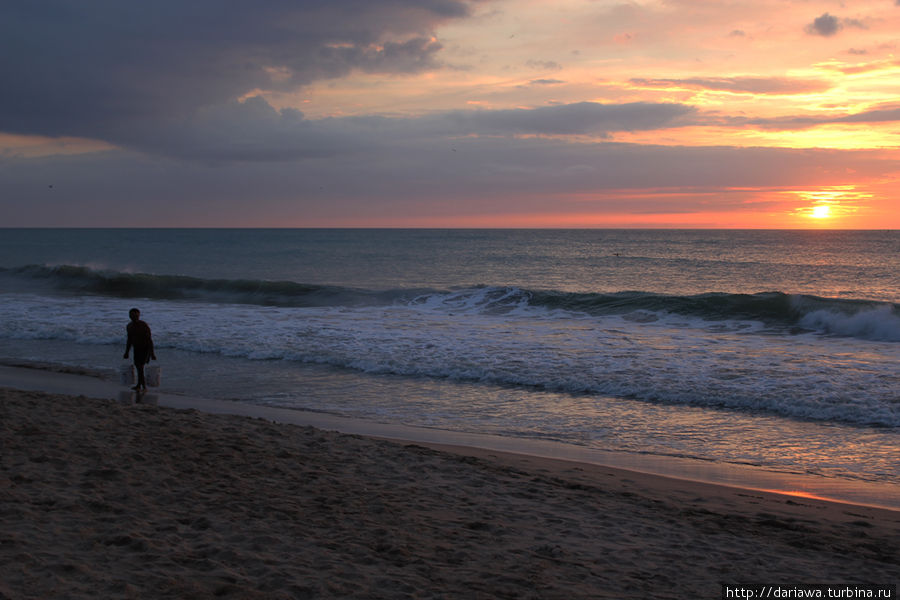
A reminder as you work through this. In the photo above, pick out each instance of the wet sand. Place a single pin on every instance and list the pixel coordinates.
(105, 499)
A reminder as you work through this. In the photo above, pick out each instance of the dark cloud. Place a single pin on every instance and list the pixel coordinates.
(828, 25)
(543, 65)
(166, 78)
(825, 25)
(93, 68)
(743, 85)
(582, 118)
(252, 130)
(546, 81)
(876, 115)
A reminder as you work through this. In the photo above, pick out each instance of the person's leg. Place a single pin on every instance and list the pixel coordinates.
(140, 378)
(140, 359)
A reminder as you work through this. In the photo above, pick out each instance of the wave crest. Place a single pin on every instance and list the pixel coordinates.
(865, 319)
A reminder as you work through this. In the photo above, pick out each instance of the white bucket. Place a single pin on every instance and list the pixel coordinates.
(126, 374)
(152, 375)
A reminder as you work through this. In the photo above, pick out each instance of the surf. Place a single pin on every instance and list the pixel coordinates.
(792, 313)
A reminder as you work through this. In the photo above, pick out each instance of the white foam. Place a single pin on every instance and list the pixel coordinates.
(671, 360)
(475, 300)
(878, 323)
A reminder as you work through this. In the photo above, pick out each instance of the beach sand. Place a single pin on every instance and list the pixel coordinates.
(102, 499)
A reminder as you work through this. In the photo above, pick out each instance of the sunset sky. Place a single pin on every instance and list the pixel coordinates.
(450, 113)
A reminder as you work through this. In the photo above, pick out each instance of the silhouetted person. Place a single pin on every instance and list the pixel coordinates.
(139, 339)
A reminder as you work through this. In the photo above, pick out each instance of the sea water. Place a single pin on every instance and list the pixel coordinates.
(778, 349)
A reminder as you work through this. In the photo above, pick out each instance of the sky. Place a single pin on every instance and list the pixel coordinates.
(450, 113)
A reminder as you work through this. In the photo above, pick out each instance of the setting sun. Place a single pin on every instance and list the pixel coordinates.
(830, 206)
(823, 211)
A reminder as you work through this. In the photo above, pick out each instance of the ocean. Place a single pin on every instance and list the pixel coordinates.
(774, 349)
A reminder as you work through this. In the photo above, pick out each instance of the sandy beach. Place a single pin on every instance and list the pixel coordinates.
(112, 500)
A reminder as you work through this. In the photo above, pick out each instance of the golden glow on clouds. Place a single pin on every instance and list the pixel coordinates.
(835, 203)
(833, 136)
(731, 62)
(35, 146)
(839, 137)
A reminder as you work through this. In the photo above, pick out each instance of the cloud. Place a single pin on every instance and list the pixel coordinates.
(881, 65)
(581, 118)
(882, 114)
(828, 25)
(252, 130)
(854, 23)
(90, 69)
(825, 25)
(742, 85)
(544, 65)
(249, 130)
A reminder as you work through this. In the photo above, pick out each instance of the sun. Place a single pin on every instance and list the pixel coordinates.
(827, 206)
(822, 211)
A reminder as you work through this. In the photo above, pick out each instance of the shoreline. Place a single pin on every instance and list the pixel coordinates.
(740, 477)
(102, 498)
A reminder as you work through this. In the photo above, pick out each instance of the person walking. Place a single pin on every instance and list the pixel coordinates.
(140, 339)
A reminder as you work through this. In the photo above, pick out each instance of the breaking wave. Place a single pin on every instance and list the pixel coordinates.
(864, 319)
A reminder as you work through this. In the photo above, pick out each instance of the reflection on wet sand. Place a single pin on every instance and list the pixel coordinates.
(133, 397)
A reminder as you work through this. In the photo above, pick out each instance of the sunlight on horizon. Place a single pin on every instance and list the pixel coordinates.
(828, 206)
